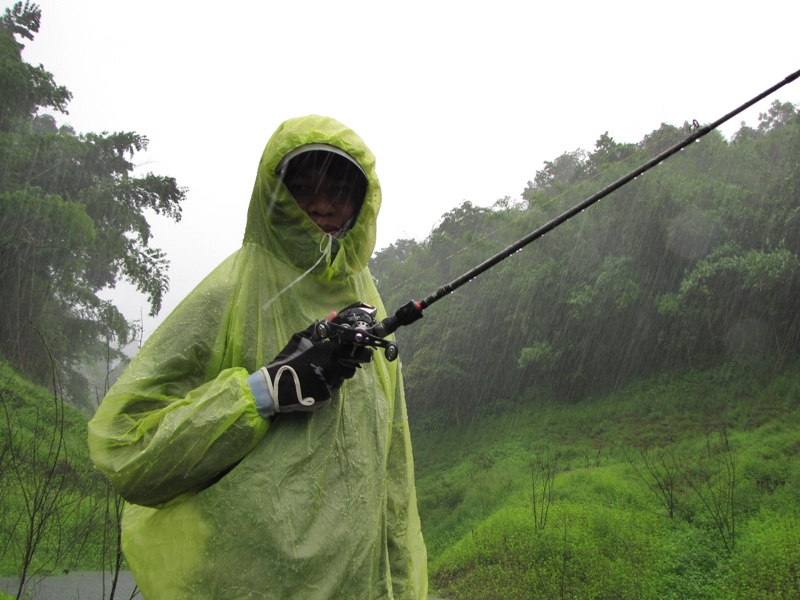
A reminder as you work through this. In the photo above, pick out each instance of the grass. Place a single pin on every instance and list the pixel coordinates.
(606, 533)
(52, 501)
(599, 531)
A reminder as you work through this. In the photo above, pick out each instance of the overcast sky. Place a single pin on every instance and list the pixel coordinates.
(458, 100)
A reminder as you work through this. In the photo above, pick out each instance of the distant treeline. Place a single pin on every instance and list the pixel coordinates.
(694, 263)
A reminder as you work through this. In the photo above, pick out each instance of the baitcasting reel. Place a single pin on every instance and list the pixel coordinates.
(356, 325)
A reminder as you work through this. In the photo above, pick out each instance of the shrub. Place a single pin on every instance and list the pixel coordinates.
(767, 559)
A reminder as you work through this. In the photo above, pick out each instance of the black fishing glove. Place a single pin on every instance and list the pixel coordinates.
(304, 374)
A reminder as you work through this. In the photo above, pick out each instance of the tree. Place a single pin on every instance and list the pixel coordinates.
(662, 470)
(607, 152)
(24, 89)
(714, 479)
(693, 263)
(73, 219)
(779, 113)
(561, 173)
(544, 467)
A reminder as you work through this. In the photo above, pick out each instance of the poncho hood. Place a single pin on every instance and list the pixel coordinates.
(277, 224)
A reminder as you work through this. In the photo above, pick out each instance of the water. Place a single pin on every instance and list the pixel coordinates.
(74, 586)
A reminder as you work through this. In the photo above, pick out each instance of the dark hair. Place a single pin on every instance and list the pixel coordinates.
(329, 163)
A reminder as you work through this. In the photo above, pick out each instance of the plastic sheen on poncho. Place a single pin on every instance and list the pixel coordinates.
(223, 503)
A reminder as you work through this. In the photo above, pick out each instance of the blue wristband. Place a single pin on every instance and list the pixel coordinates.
(264, 402)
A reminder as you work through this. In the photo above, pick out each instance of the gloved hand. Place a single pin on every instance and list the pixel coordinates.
(304, 374)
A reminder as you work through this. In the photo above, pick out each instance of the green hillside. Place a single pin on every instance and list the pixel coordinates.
(612, 411)
(56, 511)
(686, 485)
(683, 486)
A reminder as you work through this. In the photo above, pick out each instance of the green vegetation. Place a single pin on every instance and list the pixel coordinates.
(492, 529)
(56, 512)
(611, 413)
(729, 437)
(695, 263)
(72, 222)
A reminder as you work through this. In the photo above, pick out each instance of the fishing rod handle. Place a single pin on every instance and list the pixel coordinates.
(410, 312)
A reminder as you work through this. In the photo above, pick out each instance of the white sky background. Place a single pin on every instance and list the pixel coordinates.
(457, 100)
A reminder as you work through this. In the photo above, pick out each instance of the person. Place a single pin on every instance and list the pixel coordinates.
(257, 458)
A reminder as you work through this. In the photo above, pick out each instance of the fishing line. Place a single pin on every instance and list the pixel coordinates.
(412, 311)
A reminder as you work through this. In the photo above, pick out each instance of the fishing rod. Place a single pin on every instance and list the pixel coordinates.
(357, 325)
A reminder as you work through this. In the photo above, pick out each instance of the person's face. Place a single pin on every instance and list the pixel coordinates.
(331, 197)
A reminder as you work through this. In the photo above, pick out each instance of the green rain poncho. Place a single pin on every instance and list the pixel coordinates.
(223, 503)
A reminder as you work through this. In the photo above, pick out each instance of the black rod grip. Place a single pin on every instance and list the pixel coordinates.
(408, 313)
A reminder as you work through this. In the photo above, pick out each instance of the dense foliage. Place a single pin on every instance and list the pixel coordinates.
(72, 219)
(694, 263)
(546, 468)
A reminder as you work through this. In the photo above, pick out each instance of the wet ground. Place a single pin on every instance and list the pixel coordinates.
(75, 586)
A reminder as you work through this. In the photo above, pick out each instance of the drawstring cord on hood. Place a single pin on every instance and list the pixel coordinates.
(326, 251)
